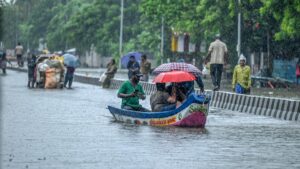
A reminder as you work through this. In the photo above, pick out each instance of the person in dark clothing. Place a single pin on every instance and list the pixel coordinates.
(31, 63)
(188, 87)
(298, 70)
(69, 77)
(200, 83)
(132, 66)
(161, 99)
(217, 56)
(3, 61)
(177, 95)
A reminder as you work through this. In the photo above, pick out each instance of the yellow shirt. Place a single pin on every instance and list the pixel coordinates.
(242, 76)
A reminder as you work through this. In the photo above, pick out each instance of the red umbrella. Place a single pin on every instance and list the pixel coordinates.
(167, 67)
(174, 76)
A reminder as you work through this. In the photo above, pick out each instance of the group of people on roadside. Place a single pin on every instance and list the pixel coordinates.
(32, 70)
(144, 68)
(133, 66)
(218, 57)
(3, 60)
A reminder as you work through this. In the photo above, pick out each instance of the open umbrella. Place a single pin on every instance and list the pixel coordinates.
(125, 58)
(174, 76)
(167, 67)
(71, 60)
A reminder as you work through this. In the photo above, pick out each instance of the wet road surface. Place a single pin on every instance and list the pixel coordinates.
(72, 129)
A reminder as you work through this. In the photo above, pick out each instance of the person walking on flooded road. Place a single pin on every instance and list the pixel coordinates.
(19, 53)
(217, 54)
(110, 73)
(3, 61)
(31, 64)
(69, 77)
(145, 68)
(241, 80)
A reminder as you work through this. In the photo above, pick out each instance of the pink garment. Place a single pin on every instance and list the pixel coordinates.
(298, 71)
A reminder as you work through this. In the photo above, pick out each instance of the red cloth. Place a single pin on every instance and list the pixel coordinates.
(298, 71)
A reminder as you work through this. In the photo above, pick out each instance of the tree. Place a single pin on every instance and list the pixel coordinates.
(81, 23)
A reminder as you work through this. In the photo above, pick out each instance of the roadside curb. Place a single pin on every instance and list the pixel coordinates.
(17, 69)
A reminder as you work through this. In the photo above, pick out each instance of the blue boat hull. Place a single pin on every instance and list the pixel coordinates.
(192, 113)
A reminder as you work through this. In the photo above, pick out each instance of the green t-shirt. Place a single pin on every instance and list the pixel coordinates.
(127, 88)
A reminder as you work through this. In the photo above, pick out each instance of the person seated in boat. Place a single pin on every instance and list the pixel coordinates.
(176, 95)
(188, 87)
(181, 95)
(130, 92)
(161, 98)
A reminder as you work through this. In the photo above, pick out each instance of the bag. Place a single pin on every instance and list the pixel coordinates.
(52, 78)
(102, 77)
(298, 71)
(205, 71)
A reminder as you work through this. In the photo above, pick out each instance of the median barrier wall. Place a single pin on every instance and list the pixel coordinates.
(285, 109)
(17, 69)
(86, 79)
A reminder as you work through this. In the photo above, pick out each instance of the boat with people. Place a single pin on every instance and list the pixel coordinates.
(191, 113)
(180, 106)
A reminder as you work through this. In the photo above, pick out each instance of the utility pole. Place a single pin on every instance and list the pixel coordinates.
(16, 26)
(238, 47)
(268, 47)
(162, 40)
(121, 32)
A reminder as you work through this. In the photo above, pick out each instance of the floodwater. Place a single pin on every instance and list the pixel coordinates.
(72, 129)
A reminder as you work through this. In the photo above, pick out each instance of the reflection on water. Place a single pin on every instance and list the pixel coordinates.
(73, 129)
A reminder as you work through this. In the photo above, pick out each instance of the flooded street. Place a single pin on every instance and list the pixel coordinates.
(72, 129)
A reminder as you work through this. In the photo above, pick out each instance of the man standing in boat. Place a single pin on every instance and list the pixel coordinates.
(130, 92)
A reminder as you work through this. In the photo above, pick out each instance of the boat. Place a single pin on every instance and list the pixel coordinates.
(191, 113)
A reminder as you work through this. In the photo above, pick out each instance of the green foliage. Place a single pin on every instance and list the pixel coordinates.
(287, 13)
(80, 23)
(1, 22)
